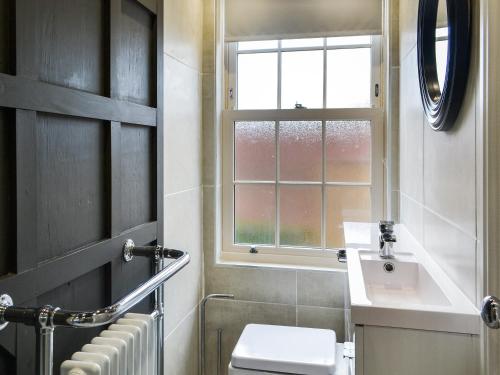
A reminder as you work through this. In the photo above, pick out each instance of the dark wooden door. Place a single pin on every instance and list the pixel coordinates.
(81, 158)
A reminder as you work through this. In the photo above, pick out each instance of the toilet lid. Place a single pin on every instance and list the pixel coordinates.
(293, 350)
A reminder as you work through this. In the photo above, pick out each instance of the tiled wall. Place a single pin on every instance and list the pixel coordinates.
(270, 296)
(437, 169)
(392, 96)
(263, 295)
(183, 180)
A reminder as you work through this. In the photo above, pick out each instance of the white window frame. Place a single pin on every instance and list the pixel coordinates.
(287, 255)
(231, 66)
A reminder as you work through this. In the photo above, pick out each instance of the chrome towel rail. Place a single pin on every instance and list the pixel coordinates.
(46, 318)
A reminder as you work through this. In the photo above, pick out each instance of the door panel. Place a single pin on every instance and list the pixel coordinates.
(71, 178)
(81, 158)
(7, 188)
(7, 37)
(73, 44)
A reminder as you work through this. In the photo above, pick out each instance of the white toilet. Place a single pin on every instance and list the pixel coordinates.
(267, 350)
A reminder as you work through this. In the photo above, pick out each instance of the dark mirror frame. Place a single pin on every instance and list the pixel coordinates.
(442, 105)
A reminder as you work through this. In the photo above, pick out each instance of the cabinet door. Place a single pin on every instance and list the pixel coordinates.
(395, 351)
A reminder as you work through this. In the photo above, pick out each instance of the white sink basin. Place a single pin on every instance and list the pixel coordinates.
(409, 291)
(399, 281)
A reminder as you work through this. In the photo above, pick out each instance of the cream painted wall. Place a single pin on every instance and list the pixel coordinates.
(183, 179)
(438, 169)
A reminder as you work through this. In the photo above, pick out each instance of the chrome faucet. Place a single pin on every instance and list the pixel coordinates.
(387, 238)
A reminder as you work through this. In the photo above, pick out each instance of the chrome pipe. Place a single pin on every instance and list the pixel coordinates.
(86, 319)
(160, 321)
(45, 340)
(111, 313)
(219, 350)
(201, 365)
(46, 351)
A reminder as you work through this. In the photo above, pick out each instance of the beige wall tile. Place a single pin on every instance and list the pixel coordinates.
(208, 36)
(396, 201)
(322, 317)
(184, 32)
(181, 346)
(438, 169)
(321, 288)
(395, 126)
(209, 225)
(232, 317)
(411, 214)
(453, 250)
(253, 283)
(411, 130)
(209, 131)
(183, 229)
(450, 163)
(408, 14)
(182, 127)
(394, 14)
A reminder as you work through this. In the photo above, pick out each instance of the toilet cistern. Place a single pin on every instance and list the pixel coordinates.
(387, 238)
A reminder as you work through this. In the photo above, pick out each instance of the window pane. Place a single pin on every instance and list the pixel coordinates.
(263, 44)
(255, 151)
(302, 79)
(300, 216)
(442, 32)
(254, 212)
(348, 151)
(258, 81)
(349, 40)
(299, 43)
(300, 151)
(441, 57)
(348, 78)
(345, 203)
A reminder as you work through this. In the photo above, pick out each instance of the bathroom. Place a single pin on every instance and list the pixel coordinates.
(263, 187)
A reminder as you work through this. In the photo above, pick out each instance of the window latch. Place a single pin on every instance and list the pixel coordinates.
(376, 90)
(253, 250)
(231, 93)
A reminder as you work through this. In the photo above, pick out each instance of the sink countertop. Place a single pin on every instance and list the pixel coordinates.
(458, 314)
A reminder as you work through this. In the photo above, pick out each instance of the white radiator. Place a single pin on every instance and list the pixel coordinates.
(127, 347)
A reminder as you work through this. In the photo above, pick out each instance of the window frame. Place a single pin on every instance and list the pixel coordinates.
(231, 64)
(287, 255)
(282, 254)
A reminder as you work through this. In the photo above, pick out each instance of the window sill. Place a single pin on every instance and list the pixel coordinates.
(273, 261)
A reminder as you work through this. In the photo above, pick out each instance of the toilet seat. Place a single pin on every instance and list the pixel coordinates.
(267, 349)
(342, 366)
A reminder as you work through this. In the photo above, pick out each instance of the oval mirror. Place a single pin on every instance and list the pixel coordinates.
(443, 47)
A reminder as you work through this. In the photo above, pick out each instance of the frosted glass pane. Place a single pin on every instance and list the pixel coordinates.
(348, 40)
(302, 79)
(258, 81)
(349, 78)
(300, 43)
(254, 214)
(300, 216)
(256, 45)
(348, 151)
(300, 151)
(255, 150)
(345, 203)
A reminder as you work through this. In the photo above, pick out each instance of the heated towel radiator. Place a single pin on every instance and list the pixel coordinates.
(47, 318)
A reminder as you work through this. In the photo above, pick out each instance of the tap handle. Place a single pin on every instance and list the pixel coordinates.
(386, 226)
(388, 237)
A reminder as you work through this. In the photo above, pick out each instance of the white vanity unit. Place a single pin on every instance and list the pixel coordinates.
(407, 315)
